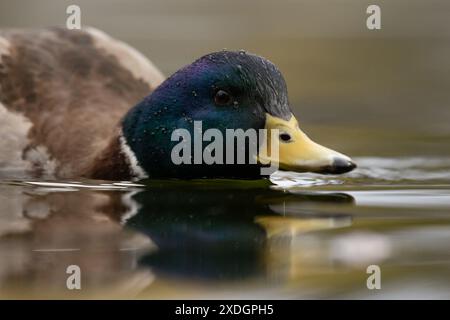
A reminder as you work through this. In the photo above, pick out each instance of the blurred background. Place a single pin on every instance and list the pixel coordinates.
(383, 92)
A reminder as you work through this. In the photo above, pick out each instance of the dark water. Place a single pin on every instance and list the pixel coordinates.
(300, 236)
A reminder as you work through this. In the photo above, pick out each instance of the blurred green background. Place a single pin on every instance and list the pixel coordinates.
(383, 92)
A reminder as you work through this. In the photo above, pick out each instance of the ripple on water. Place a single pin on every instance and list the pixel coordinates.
(61, 186)
(390, 211)
(375, 171)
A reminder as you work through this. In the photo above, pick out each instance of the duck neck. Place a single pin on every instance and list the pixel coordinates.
(116, 162)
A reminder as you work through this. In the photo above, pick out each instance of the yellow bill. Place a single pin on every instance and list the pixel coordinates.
(297, 152)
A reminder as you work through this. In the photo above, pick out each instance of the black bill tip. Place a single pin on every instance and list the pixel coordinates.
(341, 165)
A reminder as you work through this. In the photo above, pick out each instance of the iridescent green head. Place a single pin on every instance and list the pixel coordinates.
(224, 90)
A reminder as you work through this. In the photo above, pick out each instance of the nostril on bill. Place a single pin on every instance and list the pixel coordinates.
(342, 165)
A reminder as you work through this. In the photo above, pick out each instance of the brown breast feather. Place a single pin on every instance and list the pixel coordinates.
(74, 89)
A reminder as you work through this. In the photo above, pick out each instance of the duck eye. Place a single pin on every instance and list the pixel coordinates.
(285, 137)
(222, 98)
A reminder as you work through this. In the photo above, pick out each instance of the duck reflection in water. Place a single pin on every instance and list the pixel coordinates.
(221, 232)
(122, 239)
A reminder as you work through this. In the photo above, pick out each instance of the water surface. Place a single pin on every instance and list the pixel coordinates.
(298, 236)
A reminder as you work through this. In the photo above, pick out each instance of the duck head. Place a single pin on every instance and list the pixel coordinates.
(222, 91)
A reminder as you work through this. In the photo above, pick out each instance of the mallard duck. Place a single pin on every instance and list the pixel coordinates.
(78, 103)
